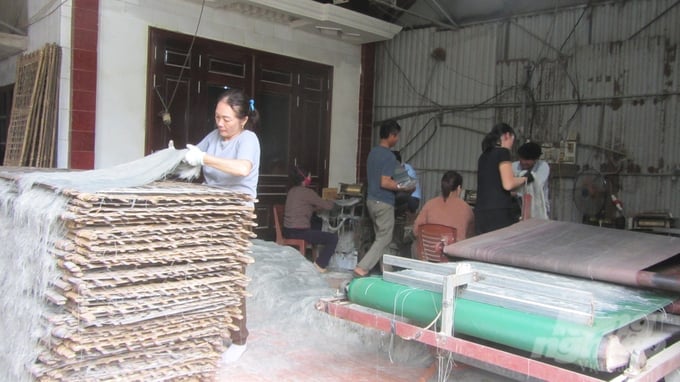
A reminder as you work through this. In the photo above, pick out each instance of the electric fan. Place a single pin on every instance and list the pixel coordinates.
(590, 193)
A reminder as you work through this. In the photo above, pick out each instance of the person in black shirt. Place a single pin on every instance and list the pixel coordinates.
(495, 180)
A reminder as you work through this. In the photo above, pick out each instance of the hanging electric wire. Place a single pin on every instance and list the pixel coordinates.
(165, 114)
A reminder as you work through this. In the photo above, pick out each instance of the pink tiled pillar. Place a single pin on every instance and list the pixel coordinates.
(85, 29)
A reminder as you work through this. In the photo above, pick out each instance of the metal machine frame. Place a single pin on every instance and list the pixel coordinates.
(490, 358)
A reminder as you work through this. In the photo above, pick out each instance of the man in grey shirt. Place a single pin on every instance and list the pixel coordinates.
(380, 194)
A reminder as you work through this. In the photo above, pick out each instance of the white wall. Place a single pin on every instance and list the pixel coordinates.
(49, 22)
(122, 58)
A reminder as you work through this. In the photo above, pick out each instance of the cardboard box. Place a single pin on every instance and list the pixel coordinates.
(329, 193)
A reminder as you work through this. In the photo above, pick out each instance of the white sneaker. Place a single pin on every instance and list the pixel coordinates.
(233, 353)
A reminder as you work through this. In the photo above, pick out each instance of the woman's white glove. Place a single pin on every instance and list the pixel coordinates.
(194, 157)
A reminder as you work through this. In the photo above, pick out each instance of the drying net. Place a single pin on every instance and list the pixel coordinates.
(285, 326)
(120, 273)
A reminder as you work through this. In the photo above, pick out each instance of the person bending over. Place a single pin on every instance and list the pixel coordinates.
(529, 161)
(230, 158)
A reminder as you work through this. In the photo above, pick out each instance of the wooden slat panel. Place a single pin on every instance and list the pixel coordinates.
(32, 128)
(27, 71)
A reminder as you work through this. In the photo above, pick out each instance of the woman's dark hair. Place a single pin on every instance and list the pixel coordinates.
(242, 106)
(450, 181)
(493, 138)
(296, 175)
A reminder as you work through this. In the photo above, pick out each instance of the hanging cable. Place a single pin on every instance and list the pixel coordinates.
(450, 109)
(573, 29)
(566, 73)
(427, 140)
(165, 114)
(406, 78)
(654, 19)
(406, 11)
(37, 18)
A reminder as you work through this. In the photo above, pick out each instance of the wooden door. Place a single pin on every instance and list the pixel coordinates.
(291, 95)
(312, 116)
(293, 99)
(172, 76)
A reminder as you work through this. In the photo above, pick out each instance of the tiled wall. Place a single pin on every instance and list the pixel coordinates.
(84, 82)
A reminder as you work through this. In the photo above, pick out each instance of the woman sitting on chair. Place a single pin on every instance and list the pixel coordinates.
(448, 209)
(301, 203)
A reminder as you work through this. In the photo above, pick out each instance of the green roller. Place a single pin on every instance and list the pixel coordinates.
(564, 341)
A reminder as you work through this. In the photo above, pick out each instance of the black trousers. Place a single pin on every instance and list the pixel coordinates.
(329, 241)
(491, 220)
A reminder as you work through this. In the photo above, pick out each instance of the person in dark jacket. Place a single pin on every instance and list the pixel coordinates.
(494, 208)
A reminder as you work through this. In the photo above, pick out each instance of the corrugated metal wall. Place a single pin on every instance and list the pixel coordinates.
(608, 74)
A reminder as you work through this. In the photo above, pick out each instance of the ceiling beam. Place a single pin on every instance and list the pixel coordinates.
(442, 10)
(433, 21)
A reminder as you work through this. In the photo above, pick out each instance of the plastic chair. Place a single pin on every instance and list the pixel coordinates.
(299, 243)
(431, 242)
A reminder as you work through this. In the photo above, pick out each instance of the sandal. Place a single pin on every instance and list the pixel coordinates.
(356, 274)
(319, 269)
